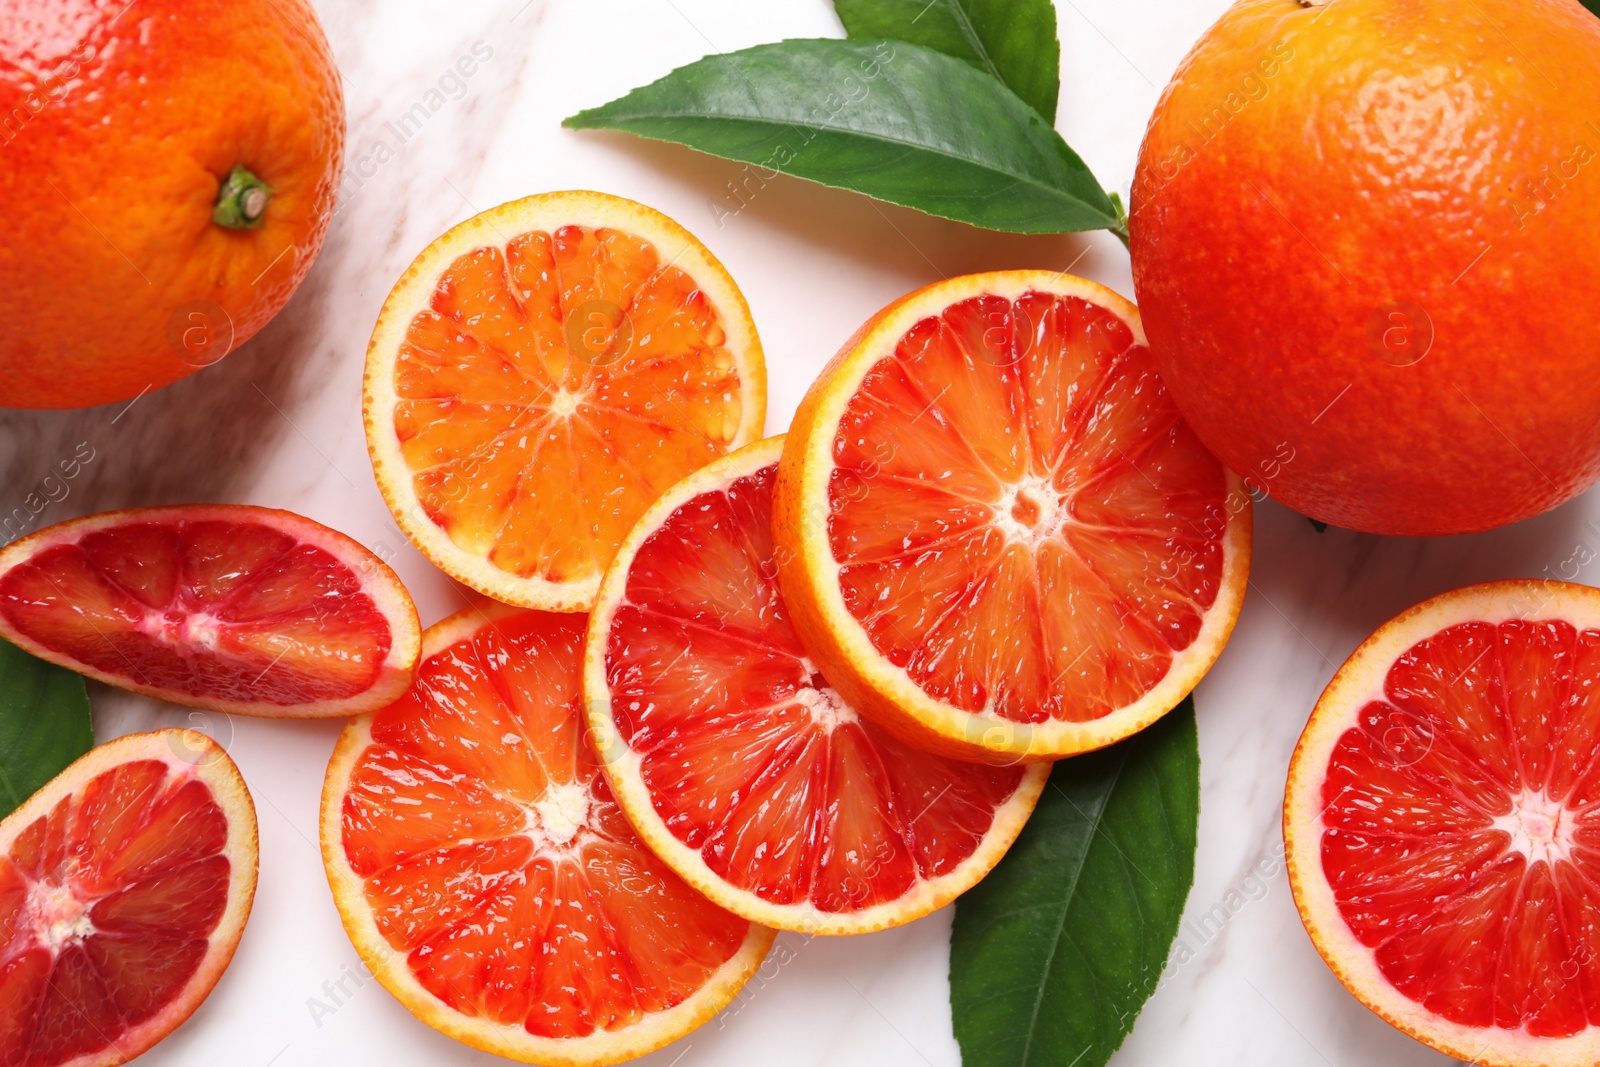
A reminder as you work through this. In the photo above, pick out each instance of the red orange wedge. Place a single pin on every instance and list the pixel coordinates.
(738, 762)
(540, 374)
(228, 607)
(489, 880)
(995, 533)
(125, 884)
(1442, 822)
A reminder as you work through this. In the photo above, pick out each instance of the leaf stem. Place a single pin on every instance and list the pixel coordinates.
(1121, 228)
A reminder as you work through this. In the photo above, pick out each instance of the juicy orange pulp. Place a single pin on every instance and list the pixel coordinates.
(216, 609)
(494, 857)
(1002, 482)
(106, 905)
(1462, 826)
(552, 389)
(750, 757)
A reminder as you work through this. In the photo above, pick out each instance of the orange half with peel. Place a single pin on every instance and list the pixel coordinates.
(488, 878)
(222, 606)
(1442, 824)
(995, 533)
(540, 374)
(125, 884)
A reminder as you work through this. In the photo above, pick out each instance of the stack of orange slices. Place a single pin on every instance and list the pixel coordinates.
(810, 683)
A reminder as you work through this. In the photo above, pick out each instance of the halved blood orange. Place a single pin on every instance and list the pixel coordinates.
(995, 532)
(228, 607)
(125, 884)
(487, 877)
(1442, 824)
(738, 762)
(540, 374)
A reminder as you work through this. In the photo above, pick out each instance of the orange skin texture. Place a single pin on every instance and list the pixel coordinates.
(116, 132)
(1307, 167)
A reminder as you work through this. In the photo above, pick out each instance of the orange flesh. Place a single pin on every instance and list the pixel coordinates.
(1021, 519)
(495, 858)
(106, 907)
(553, 389)
(224, 610)
(749, 756)
(1462, 826)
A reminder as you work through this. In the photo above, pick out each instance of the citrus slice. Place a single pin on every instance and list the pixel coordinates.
(124, 886)
(738, 762)
(540, 374)
(487, 877)
(995, 533)
(228, 607)
(1442, 824)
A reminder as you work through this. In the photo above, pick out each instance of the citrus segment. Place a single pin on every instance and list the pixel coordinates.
(1441, 826)
(488, 878)
(998, 535)
(125, 884)
(229, 607)
(738, 762)
(540, 374)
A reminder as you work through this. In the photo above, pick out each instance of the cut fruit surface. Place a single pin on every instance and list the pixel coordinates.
(228, 607)
(1442, 824)
(540, 374)
(738, 762)
(125, 884)
(489, 880)
(995, 532)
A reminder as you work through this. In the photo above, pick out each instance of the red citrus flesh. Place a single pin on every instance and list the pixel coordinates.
(112, 905)
(237, 608)
(1002, 482)
(484, 869)
(1462, 821)
(735, 745)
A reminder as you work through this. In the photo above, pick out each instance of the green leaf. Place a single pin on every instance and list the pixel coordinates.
(1012, 40)
(1053, 955)
(889, 119)
(1592, 5)
(44, 724)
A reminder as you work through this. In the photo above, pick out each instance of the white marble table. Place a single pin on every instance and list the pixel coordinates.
(277, 423)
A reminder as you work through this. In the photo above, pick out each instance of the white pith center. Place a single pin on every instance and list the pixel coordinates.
(1030, 511)
(60, 916)
(564, 403)
(1541, 828)
(827, 707)
(197, 630)
(555, 819)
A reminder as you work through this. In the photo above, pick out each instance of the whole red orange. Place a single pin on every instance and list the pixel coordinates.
(1366, 246)
(167, 172)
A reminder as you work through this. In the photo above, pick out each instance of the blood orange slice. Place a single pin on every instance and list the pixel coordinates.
(738, 762)
(124, 886)
(489, 880)
(540, 374)
(995, 532)
(228, 607)
(1442, 822)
